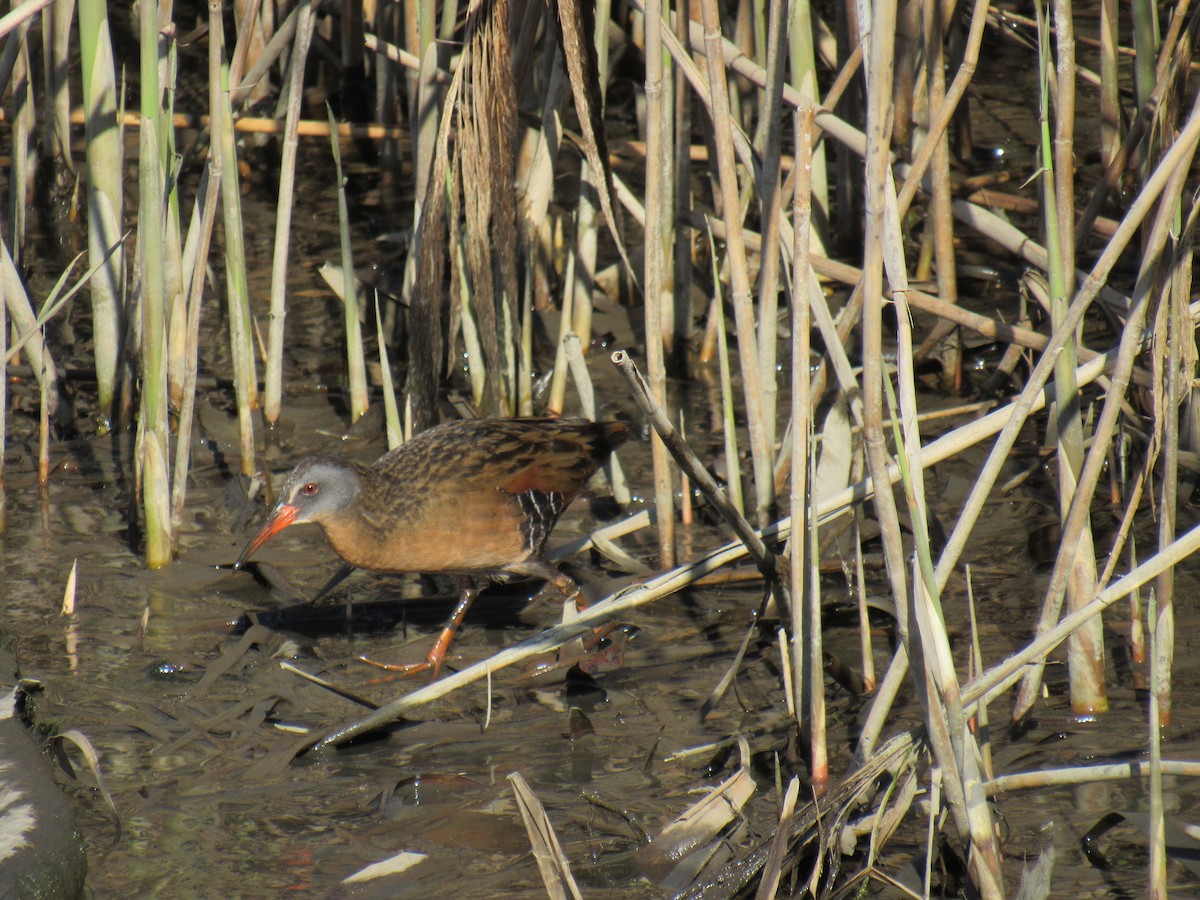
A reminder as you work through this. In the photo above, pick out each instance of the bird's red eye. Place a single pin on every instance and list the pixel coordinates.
(309, 489)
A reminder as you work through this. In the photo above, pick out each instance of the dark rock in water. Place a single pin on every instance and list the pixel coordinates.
(41, 849)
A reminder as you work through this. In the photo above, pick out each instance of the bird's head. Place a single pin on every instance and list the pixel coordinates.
(319, 489)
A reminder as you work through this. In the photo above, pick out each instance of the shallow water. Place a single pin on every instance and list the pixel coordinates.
(199, 817)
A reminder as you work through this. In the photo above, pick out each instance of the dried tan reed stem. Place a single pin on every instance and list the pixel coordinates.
(761, 451)
(658, 225)
(273, 387)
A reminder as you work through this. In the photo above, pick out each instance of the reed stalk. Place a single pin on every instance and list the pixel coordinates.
(690, 464)
(590, 185)
(525, 356)
(802, 67)
(243, 91)
(356, 363)
(939, 217)
(655, 274)
(252, 29)
(3, 406)
(1180, 372)
(28, 326)
(761, 451)
(1085, 650)
(974, 670)
(241, 334)
(24, 162)
(476, 364)
(675, 355)
(386, 28)
(944, 113)
(206, 216)
(155, 481)
(1110, 96)
(105, 190)
(879, 67)
(1160, 634)
(583, 283)
(1145, 46)
(733, 456)
(273, 386)
(449, 20)
(557, 397)
(424, 116)
(535, 180)
(1162, 620)
(174, 290)
(808, 669)
(21, 15)
(393, 427)
(878, 26)
(681, 254)
(43, 460)
(768, 141)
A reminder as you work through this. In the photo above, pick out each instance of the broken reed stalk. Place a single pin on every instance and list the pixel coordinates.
(105, 198)
(691, 464)
(658, 224)
(156, 479)
(551, 861)
(587, 405)
(356, 364)
(273, 386)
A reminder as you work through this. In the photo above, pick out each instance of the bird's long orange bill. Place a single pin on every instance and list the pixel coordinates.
(281, 518)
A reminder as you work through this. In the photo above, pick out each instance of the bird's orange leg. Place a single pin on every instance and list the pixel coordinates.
(434, 658)
(570, 591)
